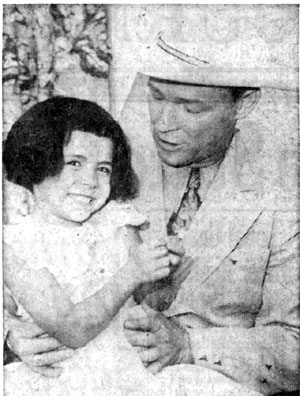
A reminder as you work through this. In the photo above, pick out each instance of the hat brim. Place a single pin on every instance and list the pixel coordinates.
(166, 66)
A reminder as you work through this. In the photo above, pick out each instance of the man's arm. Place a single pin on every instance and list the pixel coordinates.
(28, 342)
(35, 348)
(265, 357)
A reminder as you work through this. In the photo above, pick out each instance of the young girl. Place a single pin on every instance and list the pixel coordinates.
(73, 263)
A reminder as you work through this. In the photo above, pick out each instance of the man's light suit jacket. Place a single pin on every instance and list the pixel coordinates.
(240, 302)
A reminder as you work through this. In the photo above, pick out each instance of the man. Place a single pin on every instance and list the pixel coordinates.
(237, 312)
(207, 183)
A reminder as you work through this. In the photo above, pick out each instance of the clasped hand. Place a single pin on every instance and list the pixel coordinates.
(154, 261)
(158, 340)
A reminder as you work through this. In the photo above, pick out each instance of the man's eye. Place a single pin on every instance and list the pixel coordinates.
(195, 108)
(156, 95)
(104, 169)
(77, 164)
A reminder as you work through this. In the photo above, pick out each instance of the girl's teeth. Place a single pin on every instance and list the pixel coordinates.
(83, 199)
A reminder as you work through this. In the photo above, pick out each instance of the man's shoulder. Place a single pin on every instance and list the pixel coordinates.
(264, 172)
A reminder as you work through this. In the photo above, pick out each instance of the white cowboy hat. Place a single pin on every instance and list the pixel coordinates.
(242, 46)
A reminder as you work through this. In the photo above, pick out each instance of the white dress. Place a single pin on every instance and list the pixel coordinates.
(83, 259)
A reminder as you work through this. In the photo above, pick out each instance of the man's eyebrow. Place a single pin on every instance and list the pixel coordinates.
(177, 99)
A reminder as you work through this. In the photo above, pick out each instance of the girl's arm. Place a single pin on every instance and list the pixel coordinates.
(74, 325)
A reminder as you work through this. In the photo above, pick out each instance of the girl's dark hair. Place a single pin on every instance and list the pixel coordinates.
(33, 149)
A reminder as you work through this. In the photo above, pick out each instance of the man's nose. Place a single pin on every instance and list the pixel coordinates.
(167, 119)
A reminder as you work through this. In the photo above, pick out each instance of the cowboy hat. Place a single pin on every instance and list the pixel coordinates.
(242, 46)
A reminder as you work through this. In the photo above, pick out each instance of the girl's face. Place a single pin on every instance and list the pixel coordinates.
(83, 186)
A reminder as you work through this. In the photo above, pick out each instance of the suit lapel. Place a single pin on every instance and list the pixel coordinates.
(225, 216)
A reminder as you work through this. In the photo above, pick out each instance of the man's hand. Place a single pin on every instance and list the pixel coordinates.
(159, 341)
(36, 349)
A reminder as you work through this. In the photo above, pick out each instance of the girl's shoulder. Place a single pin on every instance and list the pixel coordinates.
(116, 214)
(23, 239)
(19, 233)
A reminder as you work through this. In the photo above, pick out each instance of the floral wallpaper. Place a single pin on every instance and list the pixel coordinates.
(42, 41)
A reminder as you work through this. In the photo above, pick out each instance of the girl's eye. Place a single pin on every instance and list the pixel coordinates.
(74, 163)
(105, 170)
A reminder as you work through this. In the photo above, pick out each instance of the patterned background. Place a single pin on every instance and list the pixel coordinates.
(45, 47)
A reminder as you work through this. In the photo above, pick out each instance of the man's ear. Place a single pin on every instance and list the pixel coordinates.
(247, 103)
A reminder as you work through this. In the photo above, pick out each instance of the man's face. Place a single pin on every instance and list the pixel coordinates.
(191, 124)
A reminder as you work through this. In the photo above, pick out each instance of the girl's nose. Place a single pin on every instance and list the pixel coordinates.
(90, 178)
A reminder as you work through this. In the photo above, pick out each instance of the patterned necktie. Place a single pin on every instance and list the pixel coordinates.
(190, 203)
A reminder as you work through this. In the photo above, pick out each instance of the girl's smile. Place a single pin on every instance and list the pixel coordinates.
(83, 186)
(82, 198)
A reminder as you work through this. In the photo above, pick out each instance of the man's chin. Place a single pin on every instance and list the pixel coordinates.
(180, 161)
(172, 159)
(175, 162)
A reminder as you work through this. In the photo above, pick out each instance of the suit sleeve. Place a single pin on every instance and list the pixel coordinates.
(266, 356)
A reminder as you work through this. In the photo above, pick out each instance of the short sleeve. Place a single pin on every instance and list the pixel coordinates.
(11, 234)
(22, 239)
(115, 215)
(17, 237)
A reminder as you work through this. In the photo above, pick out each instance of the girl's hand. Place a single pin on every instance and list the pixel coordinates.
(149, 262)
(176, 250)
(161, 294)
(175, 245)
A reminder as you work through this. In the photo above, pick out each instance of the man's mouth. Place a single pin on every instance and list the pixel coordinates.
(169, 145)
